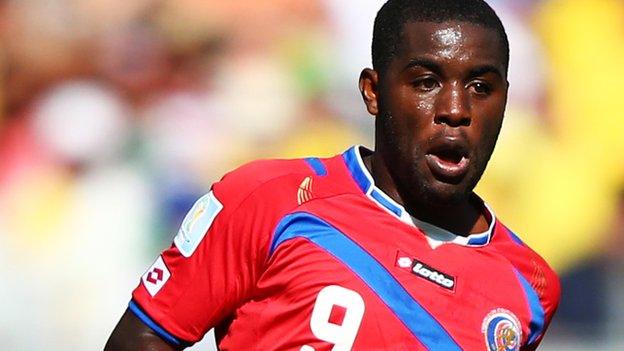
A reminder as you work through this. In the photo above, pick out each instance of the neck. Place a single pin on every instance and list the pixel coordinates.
(462, 218)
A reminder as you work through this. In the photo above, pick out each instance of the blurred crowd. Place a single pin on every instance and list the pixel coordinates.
(116, 115)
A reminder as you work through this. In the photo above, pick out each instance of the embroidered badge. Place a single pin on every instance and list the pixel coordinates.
(196, 223)
(502, 331)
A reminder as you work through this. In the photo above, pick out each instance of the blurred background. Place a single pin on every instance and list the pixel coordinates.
(115, 115)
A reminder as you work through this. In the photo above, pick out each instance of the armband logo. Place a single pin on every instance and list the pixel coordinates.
(156, 276)
(196, 224)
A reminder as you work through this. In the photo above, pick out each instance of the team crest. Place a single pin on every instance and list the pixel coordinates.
(502, 331)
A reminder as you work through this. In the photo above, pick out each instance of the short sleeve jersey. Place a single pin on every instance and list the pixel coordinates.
(309, 254)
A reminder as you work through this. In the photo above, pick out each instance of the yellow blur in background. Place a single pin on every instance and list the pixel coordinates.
(117, 115)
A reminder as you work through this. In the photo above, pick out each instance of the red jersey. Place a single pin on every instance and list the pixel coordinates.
(309, 254)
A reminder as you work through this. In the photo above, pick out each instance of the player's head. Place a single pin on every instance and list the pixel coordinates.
(394, 14)
(438, 90)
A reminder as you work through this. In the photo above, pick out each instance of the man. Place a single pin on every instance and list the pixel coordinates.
(369, 250)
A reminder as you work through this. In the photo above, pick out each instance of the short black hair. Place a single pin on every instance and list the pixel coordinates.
(394, 14)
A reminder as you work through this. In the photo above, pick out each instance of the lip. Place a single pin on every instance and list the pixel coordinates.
(448, 159)
(447, 170)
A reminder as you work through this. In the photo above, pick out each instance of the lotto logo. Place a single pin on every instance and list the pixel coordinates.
(156, 276)
(424, 271)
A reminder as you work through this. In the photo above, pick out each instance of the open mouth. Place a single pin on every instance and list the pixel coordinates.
(448, 161)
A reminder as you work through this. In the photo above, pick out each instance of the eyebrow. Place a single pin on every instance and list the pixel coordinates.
(437, 69)
(420, 62)
(481, 70)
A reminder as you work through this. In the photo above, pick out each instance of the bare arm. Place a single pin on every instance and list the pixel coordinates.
(131, 334)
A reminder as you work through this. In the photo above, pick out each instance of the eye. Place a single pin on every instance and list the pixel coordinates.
(426, 84)
(481, 88)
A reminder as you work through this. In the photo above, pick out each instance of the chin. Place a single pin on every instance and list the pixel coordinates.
(423, 192)
(443, 195)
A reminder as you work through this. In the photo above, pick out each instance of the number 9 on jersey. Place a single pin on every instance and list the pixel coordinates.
(343, 335)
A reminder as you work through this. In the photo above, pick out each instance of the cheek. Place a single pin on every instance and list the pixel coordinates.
(417, 115)
(488, 120)
(406, 101)
(409, 115)
(489, 134)
(425, 106)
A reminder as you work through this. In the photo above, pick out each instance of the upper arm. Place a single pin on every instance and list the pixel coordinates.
(204, 275)
(215, 261)
(131, 334)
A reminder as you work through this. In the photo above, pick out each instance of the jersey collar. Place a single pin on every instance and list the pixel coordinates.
(435, 235)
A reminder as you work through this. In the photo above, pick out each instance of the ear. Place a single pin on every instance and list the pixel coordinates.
(369, 83)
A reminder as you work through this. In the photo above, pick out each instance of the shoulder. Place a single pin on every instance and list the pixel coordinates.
(257, 172)
(258, 176)
(282, 183)
(532, 268)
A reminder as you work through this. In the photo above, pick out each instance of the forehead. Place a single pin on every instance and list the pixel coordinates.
(453, 42)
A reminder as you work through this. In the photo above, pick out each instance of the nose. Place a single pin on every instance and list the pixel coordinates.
(452, 107)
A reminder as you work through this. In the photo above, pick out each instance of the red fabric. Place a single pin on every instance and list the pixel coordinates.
(266, 302)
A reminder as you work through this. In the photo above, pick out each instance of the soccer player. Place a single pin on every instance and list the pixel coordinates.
(369, 250)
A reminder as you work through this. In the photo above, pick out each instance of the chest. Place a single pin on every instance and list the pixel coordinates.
(342, 284)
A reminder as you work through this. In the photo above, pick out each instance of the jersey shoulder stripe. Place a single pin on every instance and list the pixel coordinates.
(540, 282)
(317, 165)
(538, 314)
